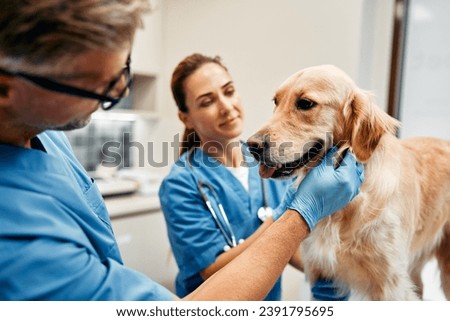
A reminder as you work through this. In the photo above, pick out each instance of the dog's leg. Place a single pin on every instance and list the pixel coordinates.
(443, 258)
(388, 285)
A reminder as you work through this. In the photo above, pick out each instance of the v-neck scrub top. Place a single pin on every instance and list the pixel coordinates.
(193, 233)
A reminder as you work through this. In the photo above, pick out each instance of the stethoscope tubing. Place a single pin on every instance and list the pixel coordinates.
(229, 236)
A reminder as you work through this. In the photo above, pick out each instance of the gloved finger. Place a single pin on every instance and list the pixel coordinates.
(328, 158)
(286, 200)
(360, 170)
(350, 165)
(290, 190)
(349, 158)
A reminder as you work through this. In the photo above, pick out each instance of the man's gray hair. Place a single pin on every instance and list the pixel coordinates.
(35, 32)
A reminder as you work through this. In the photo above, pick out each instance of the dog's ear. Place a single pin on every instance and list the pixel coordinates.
(365, 124)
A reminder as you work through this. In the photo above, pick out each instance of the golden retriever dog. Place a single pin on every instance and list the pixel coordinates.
(378, 244)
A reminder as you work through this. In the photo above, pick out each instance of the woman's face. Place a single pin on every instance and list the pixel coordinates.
(214, 106)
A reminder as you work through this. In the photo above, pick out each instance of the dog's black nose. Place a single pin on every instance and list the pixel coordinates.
(256, 145)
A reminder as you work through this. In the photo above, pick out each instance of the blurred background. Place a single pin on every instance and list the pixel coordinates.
(398, 49)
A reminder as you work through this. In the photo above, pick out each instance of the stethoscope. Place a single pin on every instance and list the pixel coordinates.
(224, 224)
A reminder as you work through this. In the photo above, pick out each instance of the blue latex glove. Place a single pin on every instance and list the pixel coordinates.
(285, 201)
(325, 189)
(325, 290)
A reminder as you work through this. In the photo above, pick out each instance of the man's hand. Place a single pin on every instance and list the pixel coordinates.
(325, 189)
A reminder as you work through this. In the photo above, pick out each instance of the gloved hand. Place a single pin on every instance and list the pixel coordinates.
(325, 189)
(325, 290)
(286, 200)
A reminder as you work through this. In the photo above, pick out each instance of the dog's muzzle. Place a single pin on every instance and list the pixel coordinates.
(262, 149)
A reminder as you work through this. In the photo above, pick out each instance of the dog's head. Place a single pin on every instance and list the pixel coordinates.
(317, 108)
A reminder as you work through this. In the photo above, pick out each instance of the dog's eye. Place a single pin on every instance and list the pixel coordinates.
(304, 104)
(275, 102)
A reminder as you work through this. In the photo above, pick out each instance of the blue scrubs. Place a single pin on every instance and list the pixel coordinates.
(56, 240)
(194, 236)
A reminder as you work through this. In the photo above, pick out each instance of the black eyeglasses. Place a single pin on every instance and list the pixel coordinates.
(107, 101)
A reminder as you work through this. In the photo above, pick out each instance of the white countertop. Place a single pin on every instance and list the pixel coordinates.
(130, 191)
(119, 206)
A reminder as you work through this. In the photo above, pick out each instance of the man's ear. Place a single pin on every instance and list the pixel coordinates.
(186, 119)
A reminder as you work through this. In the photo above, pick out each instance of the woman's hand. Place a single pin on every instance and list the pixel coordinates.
(325, 290)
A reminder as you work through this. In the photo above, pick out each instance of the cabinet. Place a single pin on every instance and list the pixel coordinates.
(146, 68)
(144, 246)
(146, 54)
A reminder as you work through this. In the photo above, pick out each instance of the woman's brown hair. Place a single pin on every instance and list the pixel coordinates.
(183, 70)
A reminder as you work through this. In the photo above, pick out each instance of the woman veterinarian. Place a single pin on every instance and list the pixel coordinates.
(214, 201)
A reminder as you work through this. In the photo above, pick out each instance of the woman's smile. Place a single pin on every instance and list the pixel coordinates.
(230, 122)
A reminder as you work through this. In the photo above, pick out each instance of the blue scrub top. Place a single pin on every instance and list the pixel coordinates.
(56, 240)
(193, 233)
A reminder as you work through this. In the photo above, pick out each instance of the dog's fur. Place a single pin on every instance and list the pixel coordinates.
(378, 244)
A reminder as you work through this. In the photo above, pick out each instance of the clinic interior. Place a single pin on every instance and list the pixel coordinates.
(261, 42)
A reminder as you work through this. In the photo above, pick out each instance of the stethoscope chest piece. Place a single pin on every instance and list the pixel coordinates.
(227, 247)
(264, 213)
